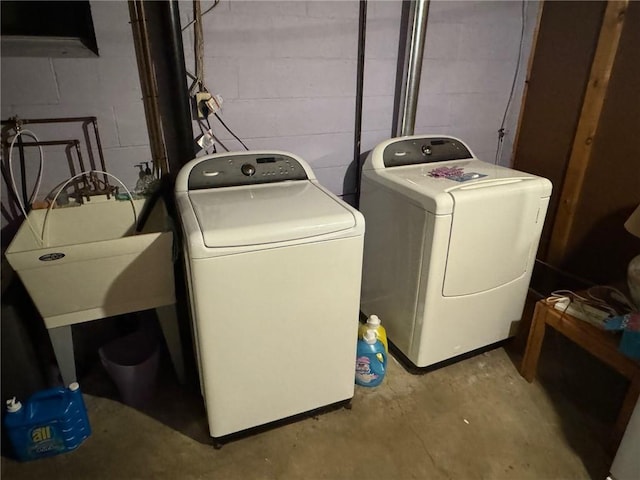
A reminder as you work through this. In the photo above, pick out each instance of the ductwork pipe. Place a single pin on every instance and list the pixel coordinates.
(414, 29)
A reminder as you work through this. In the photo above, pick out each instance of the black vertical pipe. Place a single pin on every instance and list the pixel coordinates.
(362, 34)
(177, 73)
(167, 52)
(167, 55)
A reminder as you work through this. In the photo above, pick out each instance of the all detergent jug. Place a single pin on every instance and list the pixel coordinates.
(374, 323)
(52, 421)
(371, 360)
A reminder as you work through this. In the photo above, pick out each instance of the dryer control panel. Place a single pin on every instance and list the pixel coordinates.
(412, 151)
(244, 169)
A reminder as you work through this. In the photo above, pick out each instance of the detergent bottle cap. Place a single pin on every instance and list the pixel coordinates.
(13, 405)
(374, 321)
(369, 337)
(74, 386)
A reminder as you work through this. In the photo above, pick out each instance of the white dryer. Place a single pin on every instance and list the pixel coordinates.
(274, 264)
(450, 245)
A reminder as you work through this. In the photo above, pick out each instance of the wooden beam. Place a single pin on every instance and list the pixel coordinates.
(527, 78)
(595, 93)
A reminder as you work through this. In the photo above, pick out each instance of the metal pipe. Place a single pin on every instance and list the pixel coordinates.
(43, 143)
(168, 56)
(148, 85)
(14, 122)
(103, 165)
(87, 140)
(411, 52)
(26, 121)
(362, 37)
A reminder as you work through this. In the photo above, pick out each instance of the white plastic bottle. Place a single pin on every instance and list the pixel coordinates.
(374, 323)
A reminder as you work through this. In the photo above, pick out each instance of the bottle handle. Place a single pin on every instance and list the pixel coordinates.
(51, 393)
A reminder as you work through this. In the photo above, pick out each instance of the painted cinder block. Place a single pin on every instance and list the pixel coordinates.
(315, 37)
(28, 81)
(112, 26)
(237, 36)
(296, 78)
(379, 77)
(132, 124)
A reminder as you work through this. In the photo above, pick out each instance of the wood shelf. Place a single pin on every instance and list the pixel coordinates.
(599, 343)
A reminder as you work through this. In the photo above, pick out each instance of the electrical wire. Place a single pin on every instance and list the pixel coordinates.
(215, 4)
(618, 302)
(230, 131)
(208, 131)
(501, 132)
(198, 84)
(215, 150)
(205, 89)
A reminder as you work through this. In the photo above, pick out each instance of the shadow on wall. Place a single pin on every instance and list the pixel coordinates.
(350, 184)
(604, 251)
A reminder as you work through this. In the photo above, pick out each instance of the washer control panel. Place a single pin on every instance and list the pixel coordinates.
(249, 169)
(424, 150)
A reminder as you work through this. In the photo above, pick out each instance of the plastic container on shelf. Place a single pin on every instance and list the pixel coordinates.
(374, 323)
(50, 422)
(371, 360)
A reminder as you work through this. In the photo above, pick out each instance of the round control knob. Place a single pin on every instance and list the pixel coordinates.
(426, 149)
(248, 169)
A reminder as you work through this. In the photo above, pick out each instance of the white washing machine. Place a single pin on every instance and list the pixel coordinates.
(274, 264)
(450, 245)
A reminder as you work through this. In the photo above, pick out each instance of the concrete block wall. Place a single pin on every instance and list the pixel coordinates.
(470, 58)
(107, 87)
(470, 70)
(287, 73)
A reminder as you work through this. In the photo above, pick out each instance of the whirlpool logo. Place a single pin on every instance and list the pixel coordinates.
(49, 257)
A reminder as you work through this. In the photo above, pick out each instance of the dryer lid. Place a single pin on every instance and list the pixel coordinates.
(268, 213)
(432, 185)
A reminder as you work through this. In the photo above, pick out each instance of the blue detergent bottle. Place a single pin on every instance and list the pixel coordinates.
(50, 422)
(371, 360)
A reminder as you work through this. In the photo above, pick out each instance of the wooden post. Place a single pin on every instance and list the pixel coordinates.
(595, 93)
(525, 88)
(529, 364)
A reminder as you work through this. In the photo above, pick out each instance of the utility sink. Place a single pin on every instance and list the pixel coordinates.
(92, 263)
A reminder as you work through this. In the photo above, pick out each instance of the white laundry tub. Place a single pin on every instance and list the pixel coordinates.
(93, 264)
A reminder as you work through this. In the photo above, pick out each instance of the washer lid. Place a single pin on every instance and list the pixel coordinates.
(268, 213)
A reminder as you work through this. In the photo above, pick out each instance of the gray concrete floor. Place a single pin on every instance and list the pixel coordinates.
(474, 419)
